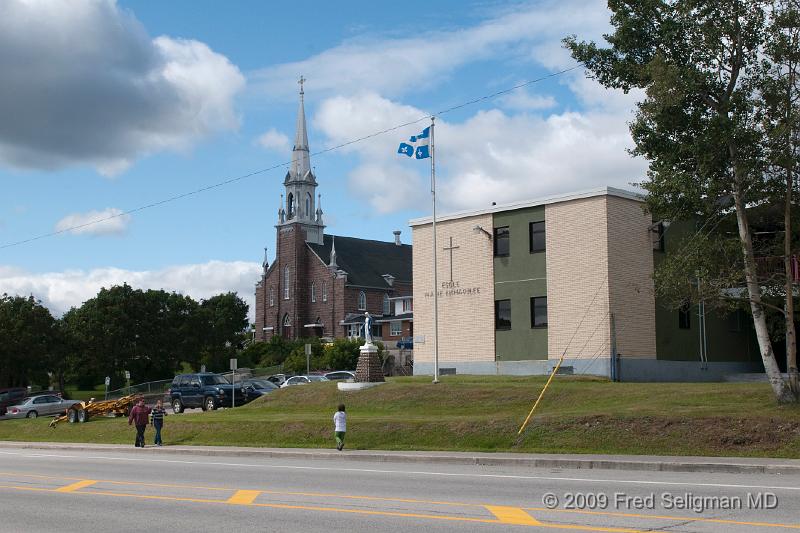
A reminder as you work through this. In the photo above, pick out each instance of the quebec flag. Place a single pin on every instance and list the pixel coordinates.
(417, 145)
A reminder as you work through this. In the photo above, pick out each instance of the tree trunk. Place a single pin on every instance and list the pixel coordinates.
(791, 334)
(779, 387)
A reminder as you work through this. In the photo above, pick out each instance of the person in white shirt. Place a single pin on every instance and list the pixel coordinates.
(339, 426)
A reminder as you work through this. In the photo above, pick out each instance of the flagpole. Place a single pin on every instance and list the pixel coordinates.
(435, 276)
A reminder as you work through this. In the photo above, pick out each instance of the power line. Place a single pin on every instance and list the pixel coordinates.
(263, 170)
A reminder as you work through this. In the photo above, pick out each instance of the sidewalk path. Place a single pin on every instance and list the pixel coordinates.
(652, 463)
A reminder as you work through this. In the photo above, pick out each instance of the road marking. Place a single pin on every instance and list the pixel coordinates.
(244, 497)
(241, 496)
(665, 517)
(77, 485)
(304, 508)
(512, 515)
(413, 472)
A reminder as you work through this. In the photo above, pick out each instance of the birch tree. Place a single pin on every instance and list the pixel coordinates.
(700, 124)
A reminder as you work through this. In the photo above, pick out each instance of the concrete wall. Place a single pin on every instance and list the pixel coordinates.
(466, 307)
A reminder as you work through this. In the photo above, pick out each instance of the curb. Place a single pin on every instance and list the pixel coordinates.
(641, 464)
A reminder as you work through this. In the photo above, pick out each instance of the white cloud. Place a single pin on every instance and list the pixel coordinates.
(110, 221)
(60, 291)
(523, 100)
(390, 66)
(274, 140)
(83, 83)
(491, 156)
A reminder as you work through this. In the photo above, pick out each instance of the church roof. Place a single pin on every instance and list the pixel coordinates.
(366, 261)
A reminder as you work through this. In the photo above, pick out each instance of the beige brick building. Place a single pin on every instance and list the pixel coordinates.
(522, 284)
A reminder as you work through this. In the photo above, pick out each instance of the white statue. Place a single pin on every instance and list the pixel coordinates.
(368, 328)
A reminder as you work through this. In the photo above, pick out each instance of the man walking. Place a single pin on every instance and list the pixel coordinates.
(139, 416)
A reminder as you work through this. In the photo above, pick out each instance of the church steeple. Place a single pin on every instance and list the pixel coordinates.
(301, 162)
(300, 182)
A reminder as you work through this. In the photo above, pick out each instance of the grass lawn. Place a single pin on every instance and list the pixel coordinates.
(578, 415)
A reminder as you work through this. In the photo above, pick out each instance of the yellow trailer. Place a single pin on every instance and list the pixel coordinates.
(82, 411)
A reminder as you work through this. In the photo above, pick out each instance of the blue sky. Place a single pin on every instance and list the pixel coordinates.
(118, 105)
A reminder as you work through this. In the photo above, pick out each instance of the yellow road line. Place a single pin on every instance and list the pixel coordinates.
(77, 485)
(666, 517)
(512, 515)
(323, 509)
(84, 483)
(244, 497)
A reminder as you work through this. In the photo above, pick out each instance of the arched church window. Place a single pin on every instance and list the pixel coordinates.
(324, 291)
(387, 305)
(286, 283)
(313, 292)
(290, 205)
(287, 321)
(362, 301)
(308, 205)
(272, 296)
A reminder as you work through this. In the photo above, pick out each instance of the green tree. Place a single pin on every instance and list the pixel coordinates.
(698, 124)
(27, 341)
(223, 323)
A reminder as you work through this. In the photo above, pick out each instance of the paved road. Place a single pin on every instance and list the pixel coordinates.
(63, 490)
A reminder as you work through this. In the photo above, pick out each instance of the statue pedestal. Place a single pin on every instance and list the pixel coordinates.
(369, 371)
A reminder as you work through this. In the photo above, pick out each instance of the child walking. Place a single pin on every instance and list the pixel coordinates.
(158, 415)
(339, 426)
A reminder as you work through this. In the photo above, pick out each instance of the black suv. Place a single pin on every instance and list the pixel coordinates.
(207, 391)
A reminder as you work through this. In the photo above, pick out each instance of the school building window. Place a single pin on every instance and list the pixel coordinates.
(536, 234)
(502, 314)
(685, 316)
(539, 312)
(501, 245)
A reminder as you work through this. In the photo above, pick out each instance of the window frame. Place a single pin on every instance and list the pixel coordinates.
(313, 292)
(532, 232)
(362, 301)
(387, 305)
(286, 274)
(396, 332)
(324, 291)
(502, 233)
(497, 304)
(534, 300)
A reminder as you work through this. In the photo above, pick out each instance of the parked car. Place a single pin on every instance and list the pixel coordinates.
(256, 388)
(278, 379)
(205, 390)
(303, 380)
(406, 343)
(340, 374)
(11, 396)
(44, 405)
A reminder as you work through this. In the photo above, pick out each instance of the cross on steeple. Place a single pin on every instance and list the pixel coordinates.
(301, 81)
(450, 249)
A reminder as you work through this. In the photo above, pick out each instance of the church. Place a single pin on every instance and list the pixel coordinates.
(320, 285)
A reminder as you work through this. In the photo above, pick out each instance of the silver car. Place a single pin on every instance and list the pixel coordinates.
(302, 380)
(44, 405)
